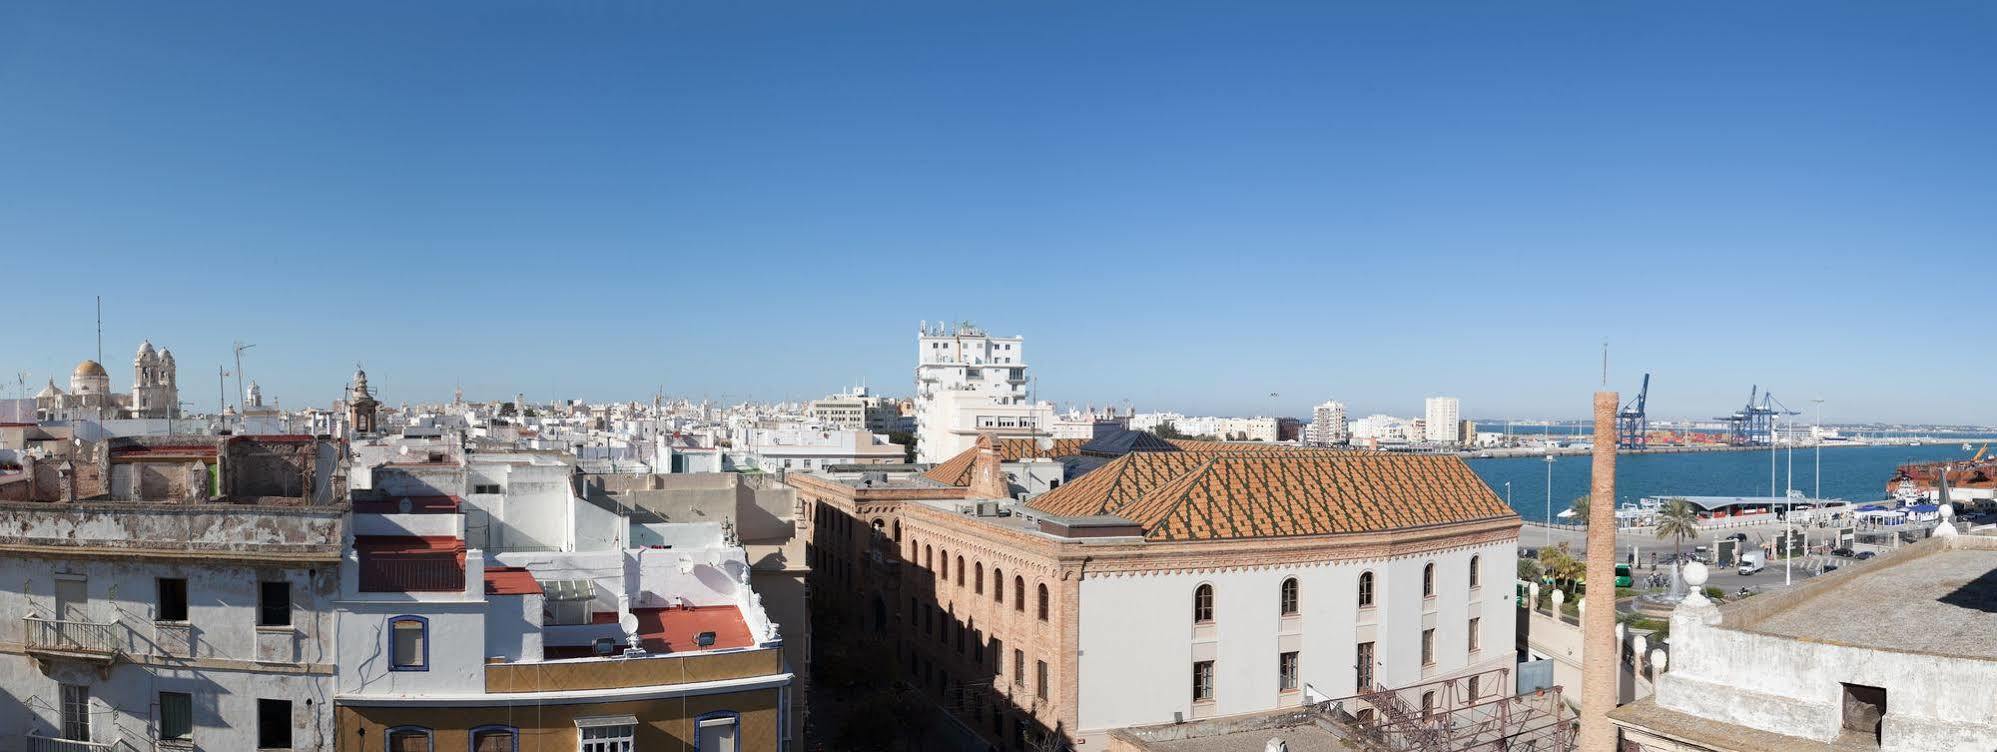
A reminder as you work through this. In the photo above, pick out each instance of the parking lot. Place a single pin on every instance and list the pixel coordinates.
(1648, 548)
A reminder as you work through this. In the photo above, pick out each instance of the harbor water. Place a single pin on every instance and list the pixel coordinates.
(1854, 473)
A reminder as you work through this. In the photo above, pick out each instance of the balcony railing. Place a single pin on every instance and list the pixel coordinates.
(70, 636)
(411, 574)
(48, 744)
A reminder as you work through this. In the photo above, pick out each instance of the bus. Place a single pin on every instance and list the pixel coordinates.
(1623, 578)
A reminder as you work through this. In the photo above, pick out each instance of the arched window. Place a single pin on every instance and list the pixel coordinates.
(407, 739)
(1474, 561)
(945, 573)
(960, 571)
(928, 558)
(1427, 704)
(897, 531)
(1043, 601)
(408, 643)
(1288, 597)
(998, 585)
(880, 526)
(1428, 580)
(1365, 589)
(1203, 604)
(495, 739)
(978, 582)
(1018, 593)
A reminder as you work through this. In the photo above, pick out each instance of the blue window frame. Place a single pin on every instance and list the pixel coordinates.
(408, 643)
(512, 738)
(399, 733)
(732, 716)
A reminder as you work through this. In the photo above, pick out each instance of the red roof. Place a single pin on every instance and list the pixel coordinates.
(408, 544)
(511, 581)
(434, 504)
(674, 630)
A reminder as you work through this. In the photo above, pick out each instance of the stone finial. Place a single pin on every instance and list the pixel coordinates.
(987, 477)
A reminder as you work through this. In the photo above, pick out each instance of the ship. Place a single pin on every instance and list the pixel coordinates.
(1974, 478)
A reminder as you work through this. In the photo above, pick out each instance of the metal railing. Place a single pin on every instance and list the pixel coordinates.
(51, 744)
(75, 636)
(411, 574)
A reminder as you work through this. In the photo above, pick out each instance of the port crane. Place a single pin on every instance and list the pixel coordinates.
(1632, 423)
(1754, 423)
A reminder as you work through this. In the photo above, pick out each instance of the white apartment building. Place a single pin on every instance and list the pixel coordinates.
(858, 410)
(1258, 428)
(191, 609)
(1379, 428)
(1443, 420)
(804, 448)
(966, 383)
(1327, 425)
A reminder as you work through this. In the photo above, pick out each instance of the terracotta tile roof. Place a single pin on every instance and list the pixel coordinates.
(1197, 445)
(1226, 495)
(956, 471)
(511, 581)
(1124, 442)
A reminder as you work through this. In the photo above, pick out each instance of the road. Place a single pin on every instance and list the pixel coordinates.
(1645, 544)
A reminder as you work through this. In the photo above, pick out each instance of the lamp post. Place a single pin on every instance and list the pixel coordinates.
(1549, 498)
(1819, 436)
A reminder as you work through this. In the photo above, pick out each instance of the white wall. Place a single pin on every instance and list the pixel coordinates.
(222, 643)
(1137, 636)
(457, 648)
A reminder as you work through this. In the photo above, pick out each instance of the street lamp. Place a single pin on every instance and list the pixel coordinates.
(1549, 498)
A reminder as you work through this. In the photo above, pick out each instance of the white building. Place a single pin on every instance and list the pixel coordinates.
(1892, 655)
(805, 448)
(1378, 428)
(967, 383)
(1327, 425)
(1442, 421)
(192, 612)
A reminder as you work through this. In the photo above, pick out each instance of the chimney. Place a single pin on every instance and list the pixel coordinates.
(987, 478)
(1600, 651)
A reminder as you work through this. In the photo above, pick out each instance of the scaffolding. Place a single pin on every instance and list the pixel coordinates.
(1440, 716)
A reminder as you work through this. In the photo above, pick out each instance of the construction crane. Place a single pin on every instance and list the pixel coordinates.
(1754, 423)
(1632, 424)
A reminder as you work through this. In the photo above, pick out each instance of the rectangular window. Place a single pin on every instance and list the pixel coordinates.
(409, 644)
(717, 734)
(1018, 668)
(1203, 681)
(172, 599)
(76, 712)
(1286, 671)
(176, 716)
(274, 605)
(1428, 647)
(607, 737)
(1474, 623)
(273, 724)
(1364, 666)
(1040, 679)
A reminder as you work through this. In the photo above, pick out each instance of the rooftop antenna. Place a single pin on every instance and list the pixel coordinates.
(100, 330)
(240, 347)
(1605, 364)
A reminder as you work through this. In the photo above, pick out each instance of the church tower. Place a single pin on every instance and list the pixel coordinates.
(361, 405)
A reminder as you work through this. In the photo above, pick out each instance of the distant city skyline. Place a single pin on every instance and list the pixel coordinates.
(1187, 207)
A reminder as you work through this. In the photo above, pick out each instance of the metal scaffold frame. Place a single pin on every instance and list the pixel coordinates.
(1385, 720)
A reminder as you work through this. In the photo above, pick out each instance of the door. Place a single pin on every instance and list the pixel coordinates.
(76, 712)
(72, 600)
(717, 735)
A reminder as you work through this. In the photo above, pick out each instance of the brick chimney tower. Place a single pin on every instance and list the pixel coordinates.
(1600, 653)
(987, 478)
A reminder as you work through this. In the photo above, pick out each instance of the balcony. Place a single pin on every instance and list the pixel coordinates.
(49, 744)
(411, 574)
(77, 640)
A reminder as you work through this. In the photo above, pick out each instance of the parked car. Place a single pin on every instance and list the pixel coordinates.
(1844, 552)
(1863, 555)
(1737, 537)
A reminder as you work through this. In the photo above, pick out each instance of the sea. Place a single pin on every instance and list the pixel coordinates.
(1852, 473)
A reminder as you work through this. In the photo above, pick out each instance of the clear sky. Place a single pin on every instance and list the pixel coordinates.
(1190, 206)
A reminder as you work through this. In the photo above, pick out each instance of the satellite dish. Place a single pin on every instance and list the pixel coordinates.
(628, 622)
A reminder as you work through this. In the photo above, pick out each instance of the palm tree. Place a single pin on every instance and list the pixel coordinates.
(1579, 506)
(1677, 520)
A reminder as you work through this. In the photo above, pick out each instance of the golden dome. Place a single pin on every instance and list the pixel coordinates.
(90, 368)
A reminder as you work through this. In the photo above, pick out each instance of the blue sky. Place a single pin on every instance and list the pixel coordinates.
(1189, 206)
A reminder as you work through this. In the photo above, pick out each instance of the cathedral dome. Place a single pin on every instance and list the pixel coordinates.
(146, 353)
(90, 368)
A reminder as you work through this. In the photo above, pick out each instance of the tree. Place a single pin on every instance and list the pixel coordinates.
(1558, 563)
(1166, 430)
(907, 441)
(1530, 570)
(1579, 506)
(1677, 520)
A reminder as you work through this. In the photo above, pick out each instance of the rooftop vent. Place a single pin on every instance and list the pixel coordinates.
(704, 639)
